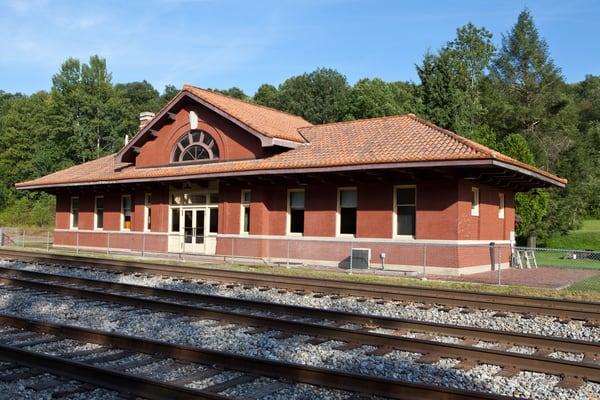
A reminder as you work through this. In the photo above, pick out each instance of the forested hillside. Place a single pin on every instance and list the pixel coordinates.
(505, 92)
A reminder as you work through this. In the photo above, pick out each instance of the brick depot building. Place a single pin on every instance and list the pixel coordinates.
(214, 175)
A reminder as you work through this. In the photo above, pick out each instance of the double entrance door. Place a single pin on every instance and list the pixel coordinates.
(195, 231)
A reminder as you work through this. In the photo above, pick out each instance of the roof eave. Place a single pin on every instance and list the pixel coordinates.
(553, 181)
(276, 171)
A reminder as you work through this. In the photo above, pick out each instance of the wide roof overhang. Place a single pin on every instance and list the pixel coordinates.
(487, 171)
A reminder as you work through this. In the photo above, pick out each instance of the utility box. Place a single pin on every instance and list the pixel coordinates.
(361, 258)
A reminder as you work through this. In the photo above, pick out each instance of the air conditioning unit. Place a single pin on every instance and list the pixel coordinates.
(360, 258)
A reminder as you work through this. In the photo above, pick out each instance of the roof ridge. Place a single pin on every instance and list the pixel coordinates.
(355, 120)
(187, 86)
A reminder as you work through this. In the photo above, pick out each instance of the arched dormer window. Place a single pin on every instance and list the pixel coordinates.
(195, 146)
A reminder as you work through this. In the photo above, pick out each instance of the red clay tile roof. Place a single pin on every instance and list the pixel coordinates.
(377, 141)
(267, 121)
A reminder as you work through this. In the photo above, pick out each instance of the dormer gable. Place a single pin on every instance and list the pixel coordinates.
(202, 114)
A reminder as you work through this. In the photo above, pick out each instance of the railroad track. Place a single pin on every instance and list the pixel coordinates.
(292, 320)
(565, 309)
(21, 381)
(115, 358)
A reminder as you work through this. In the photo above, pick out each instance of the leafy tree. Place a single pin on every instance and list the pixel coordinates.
(319, 97)
(375, 98)
(267, 95)
(532, 96)
(86, 114)
(233, 92)
(450, 80)
(169, 92)
(531, 207)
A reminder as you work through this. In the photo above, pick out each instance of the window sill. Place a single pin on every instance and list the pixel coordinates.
(345, 236)
(405, 237)
(296, 234)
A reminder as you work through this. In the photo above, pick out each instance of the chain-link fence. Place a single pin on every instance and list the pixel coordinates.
(492, 263)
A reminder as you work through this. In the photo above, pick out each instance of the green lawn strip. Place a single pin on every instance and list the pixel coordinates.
(586, 238)
(591, 294)
(589, 284)
(549, 258)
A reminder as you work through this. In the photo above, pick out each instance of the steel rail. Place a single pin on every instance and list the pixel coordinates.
(581, 310)
(104, 377)
(323, 377)
(538, 341)
(547, 365)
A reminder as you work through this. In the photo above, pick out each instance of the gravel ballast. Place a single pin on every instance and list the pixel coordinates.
(240, 340)
(487, 319)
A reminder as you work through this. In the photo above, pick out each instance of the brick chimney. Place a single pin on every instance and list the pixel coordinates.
(145, 117)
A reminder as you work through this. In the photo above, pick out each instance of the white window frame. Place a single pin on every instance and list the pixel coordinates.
(96, 228)
(243, 206)
(288, 219)
(501, 205)
(475, 195)
(395, 213)
(147, 213)
(71, 225)
(123, 212)
(338, 214)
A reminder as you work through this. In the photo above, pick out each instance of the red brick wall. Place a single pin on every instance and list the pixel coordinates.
(320, 207)
(443, 213)
(233, 142)
(437, 210)
(486, 226)
(373, 215)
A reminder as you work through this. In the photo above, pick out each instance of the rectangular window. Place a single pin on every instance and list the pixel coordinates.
(501, 205)
(296, 211)
(99, 212)
(406, 210)
(475, 201)
(126, 212)
(175, 220)
(348, 201)
(214, 220)
(74, 212)
(245, 215)
(148, 212)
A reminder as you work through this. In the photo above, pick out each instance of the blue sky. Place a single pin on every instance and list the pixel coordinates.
(212, 43)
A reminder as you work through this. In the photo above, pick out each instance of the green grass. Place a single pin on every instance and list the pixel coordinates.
(555, 259)
(586, 238)
(589, 285)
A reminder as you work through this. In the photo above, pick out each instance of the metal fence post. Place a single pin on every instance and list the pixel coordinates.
(107, 243)
(48, 241)
(23, 239)
(499, 264)
(143, 243)
(287, 265)
(351, 258)
(77, 246)
(1, 237)
(424, 260)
